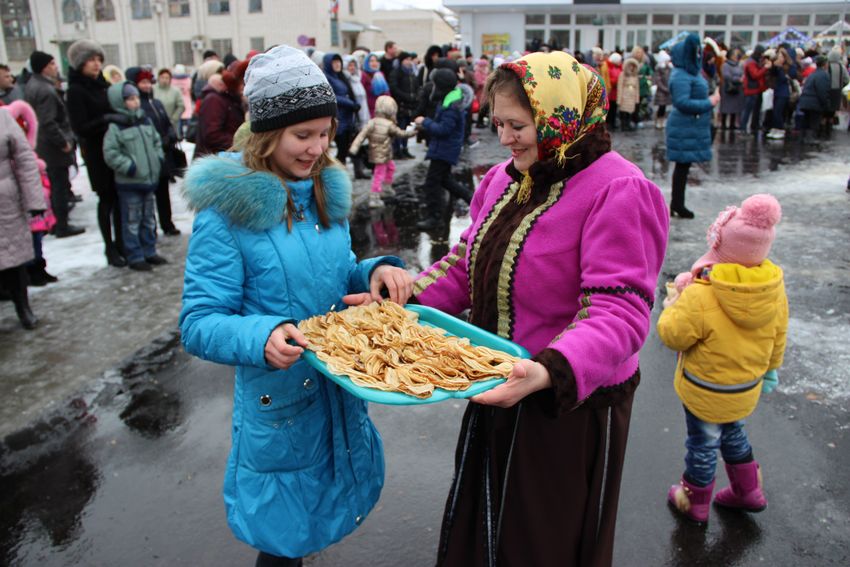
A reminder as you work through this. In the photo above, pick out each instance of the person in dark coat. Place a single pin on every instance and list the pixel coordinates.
(689, 124)
(431, 56)
(404, 87)
(391, 52)
(427, 105)
(814, 100)
(155, 111)
(445, 132)
(220, 115)
(55, 143)
(347, 108)
(90, 112)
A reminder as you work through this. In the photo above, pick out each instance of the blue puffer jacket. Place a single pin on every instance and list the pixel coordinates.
(445, 130)
(689, 124)
(346, 105)
(306, 465)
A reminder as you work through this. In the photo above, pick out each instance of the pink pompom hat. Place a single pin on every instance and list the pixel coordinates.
(742, 235)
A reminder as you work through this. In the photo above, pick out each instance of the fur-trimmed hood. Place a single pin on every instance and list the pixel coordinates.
(255, 200)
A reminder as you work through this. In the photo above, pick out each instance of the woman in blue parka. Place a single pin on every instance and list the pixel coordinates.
(689, 125)
(270, 246)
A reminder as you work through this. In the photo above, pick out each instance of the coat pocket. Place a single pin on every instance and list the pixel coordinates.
(285, 435)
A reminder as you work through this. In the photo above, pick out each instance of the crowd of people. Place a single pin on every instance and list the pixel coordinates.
(271, 246)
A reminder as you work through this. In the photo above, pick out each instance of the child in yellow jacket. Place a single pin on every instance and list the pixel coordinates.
(728, 323)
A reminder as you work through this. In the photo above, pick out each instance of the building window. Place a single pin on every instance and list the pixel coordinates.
(104, 11)
(715, 19)
(826, 19)
(659, 37)
(112, 54)
(535, 19)
(662, 19)
(612, 19)
(688, 19)
(533, 39)
(584, 19)
(216, 7)
(636, 19)
(258, 44)
(767, 35)
(350, 7)
(334, 32)
(798, 20)
(744, 20)
(742, 38)
(146, 53)
(559, 39)
(716, 35)
(71, 12)
(183, 53)
(560, 19)
(635, 37)
(141, 9)
(769, 20)
(255, 6)
(222, 46)
(18, 31)
(178, 9)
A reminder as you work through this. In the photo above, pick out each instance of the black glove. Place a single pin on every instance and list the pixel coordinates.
(120, 119)
(37, 212)
(356, 107)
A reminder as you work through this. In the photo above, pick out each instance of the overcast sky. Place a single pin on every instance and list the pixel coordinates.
(397, 4)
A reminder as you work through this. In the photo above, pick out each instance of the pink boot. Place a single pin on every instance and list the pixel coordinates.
(744, 491)
(692, 501)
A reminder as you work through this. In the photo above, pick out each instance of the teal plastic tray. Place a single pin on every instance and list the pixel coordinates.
(452, 325)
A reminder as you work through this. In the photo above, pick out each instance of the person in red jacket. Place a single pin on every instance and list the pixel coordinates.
(221, 112)
(611, 76)
(755, 70)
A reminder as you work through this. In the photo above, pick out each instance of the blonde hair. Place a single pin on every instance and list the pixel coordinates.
(257, 149)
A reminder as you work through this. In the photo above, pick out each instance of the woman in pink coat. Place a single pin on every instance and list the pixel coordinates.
(562, 256)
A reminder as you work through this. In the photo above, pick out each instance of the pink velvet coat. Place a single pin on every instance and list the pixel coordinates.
(584, 275)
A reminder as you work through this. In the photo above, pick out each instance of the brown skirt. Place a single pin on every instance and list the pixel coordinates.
(535, 488)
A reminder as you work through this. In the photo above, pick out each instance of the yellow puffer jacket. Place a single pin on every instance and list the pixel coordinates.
(730, 331)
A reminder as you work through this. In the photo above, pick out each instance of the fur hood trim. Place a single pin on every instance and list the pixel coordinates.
(255, 200)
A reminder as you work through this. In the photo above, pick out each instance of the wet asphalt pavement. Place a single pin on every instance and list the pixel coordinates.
(126, 468)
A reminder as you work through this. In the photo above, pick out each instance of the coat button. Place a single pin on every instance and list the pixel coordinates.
(265, 400)
(308, 383)
(290, 421)
(358, 519)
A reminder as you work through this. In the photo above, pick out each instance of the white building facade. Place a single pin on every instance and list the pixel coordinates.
(487, 24)
(162, 33)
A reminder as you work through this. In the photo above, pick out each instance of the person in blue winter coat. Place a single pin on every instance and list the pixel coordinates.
(445, 132)
(271, 246)
(347, 105)
(814, 100)
(689, 124)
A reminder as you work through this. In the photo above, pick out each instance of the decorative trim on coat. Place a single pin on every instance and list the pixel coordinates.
(497, 207)
(256, 200)
(436, 273)
(506, 307)
(620, 290)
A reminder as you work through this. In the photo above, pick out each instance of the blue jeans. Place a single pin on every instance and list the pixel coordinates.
(752, 107)
(138, 224)
(704, 439)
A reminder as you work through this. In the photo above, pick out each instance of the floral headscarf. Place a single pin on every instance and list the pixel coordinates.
(568, 100)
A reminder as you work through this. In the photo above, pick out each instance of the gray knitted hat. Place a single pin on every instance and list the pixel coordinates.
(82, 50)
(285, 87)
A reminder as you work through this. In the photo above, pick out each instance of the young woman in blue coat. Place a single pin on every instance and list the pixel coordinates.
(689, 124)
(271, 246)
